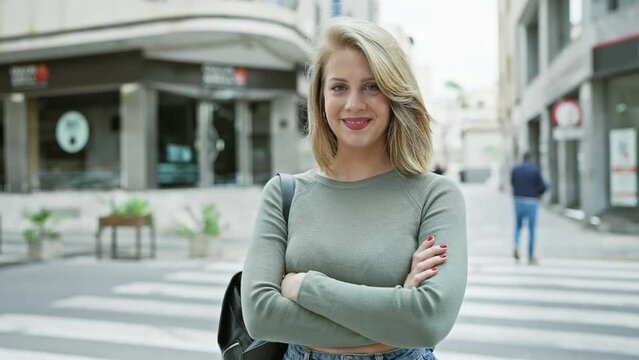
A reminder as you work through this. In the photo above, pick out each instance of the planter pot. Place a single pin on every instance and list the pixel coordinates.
(44, 249)
(203, 246)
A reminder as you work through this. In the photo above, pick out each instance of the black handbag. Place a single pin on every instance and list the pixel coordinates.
(232, 337)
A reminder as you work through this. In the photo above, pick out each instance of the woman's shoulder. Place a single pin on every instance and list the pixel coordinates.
(430, 185)
(302, 180)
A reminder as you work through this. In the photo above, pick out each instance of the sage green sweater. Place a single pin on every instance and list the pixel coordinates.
(355, 241)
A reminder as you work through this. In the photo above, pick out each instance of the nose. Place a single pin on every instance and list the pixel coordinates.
(355, 102)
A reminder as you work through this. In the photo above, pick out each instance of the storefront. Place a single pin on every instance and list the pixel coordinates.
(616, 65)
(123, 120)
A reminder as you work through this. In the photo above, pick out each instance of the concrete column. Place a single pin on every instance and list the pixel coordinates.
(284, 135)
(138, 134)
(568, 172)
(205, 143)
(16, 148)
(33, 142)
(562, 175)
(594, 194)
(545, 150)
(243, 131)
(544, 29)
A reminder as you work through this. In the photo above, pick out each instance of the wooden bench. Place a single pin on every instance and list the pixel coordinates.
(115, 221)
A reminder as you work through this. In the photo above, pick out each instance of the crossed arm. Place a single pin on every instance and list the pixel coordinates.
(321, 315)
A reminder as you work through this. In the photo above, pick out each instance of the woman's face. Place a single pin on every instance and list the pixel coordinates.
(357, 111)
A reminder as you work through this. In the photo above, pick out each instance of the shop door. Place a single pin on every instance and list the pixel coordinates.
(225, 168)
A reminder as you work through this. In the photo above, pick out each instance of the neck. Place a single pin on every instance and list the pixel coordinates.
(353, 165)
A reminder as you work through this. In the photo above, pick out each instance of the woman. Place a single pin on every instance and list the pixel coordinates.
(353, 270)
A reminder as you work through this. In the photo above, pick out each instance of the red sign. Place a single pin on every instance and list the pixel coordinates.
(566, 113)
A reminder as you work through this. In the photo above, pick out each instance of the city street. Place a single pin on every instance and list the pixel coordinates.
(580, 302)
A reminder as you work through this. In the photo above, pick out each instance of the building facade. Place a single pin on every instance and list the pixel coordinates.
(569, 95)
(141, 94)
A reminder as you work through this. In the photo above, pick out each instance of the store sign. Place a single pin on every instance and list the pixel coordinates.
(566, 113)
(28, 76)
(72, 132)
(219, 75)
(623, 167)
(567, 133)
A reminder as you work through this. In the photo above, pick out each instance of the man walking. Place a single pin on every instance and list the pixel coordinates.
(528, 185)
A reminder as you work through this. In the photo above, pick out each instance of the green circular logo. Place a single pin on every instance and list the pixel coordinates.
(72, 131)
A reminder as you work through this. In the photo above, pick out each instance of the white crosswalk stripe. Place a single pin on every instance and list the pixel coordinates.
(479, 292)
(109, 331)
(563, 282)
(566, 340)
(137, 306)
(11, 354)
(172, 290)
(200, 277)
(539, 313)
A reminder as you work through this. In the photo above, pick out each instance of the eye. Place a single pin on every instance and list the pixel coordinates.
(371, 87)
(338, 87)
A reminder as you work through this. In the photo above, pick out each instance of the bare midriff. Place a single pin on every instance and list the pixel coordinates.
(367, 349)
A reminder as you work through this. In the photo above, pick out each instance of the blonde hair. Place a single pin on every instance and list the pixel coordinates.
(409, 136)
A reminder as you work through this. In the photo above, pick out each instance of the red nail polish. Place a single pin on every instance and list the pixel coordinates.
(443, 256)
(434, 269)
(430, 238)
(443, 246)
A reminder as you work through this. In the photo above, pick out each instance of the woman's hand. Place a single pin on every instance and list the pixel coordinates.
(424, 262)
(291, 285)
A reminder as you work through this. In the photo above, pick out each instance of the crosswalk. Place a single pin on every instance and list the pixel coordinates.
(133, 318)
(560, 309)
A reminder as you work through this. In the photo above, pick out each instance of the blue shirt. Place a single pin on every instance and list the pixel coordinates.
(526, 180)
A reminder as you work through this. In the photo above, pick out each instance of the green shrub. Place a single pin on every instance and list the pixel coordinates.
(133, 207)
(206, 223)
(39, 228)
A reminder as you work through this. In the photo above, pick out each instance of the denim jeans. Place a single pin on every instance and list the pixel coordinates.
(526, 208)
(298, 352)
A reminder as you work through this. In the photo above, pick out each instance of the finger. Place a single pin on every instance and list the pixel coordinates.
(426, 243)
(431, 263)
(430, 252)
(424, 275)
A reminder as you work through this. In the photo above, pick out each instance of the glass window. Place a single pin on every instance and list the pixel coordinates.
(575, 17)
(177, 161)
(79, 147)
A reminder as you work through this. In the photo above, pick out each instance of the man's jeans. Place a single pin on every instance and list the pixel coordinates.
(526, 208)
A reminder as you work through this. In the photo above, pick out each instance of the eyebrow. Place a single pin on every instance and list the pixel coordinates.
(344, 80)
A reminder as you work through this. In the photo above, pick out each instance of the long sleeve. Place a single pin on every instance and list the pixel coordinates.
(419, 317)
(267, 314)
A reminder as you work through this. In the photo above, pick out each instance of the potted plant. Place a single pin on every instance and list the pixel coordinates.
(135, 212)
(201, 231)
(42, 242)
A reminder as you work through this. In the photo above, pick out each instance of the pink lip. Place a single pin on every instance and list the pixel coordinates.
(357, 123)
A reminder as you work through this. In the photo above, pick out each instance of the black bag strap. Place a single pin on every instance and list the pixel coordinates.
(288, 191)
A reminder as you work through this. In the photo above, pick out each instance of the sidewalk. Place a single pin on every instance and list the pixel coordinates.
(169, 247)
(491, 222)
(490, 226)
